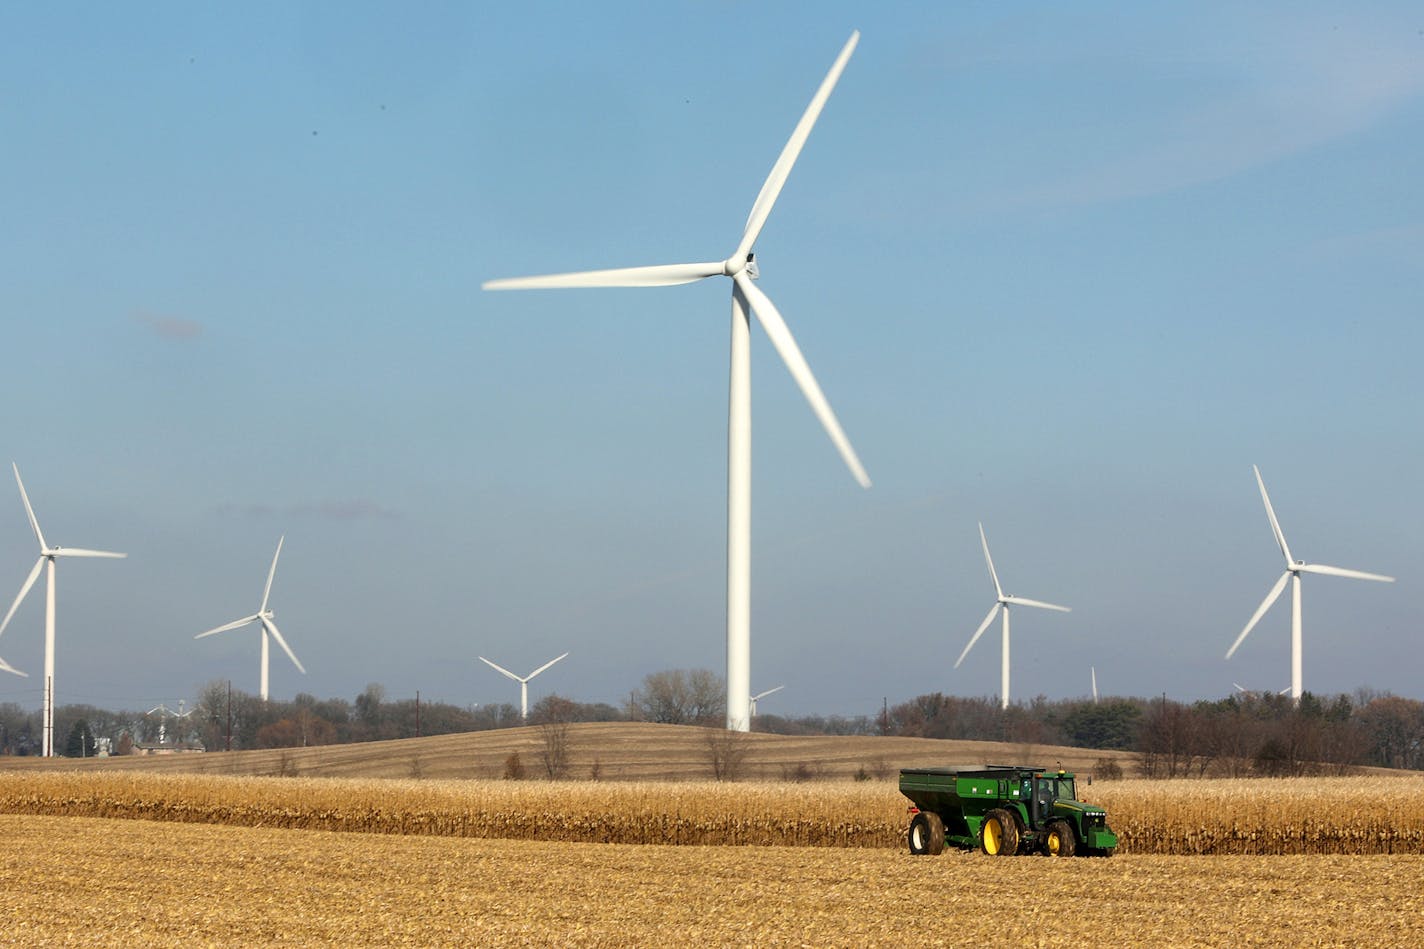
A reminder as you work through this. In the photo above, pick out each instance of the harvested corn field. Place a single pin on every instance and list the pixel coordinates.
(73, 881)
(1261, 817)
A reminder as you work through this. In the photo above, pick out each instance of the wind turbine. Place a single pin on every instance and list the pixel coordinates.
(1245, 691)
(48, 555)
(523, 682)
(1003, 602)
(741, 267)
(269, 628)
(762, 695)
(1294, 568)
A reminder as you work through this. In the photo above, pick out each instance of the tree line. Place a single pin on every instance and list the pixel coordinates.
(1246, 733)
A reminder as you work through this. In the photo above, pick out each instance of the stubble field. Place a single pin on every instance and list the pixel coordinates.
(68, 881)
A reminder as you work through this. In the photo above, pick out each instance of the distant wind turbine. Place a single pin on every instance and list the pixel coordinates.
(742, 269)
(48, 555)
(1245, 691)
(269, 628)
(523, 682)
(762, 695)
(1294, 568)
(1003, 602)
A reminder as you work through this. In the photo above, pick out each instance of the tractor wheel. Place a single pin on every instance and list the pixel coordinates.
(999, 834)
(926, 834)
(1059, 840)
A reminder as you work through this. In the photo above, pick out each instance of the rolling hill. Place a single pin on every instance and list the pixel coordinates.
(616, 751)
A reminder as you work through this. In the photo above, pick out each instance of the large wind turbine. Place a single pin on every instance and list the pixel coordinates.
(1294, 568)
(741, 267)
(48, 555)
(523, 682)
(1003, 602)
(269, 628)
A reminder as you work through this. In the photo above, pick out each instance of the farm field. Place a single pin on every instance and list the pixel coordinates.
(90, 882)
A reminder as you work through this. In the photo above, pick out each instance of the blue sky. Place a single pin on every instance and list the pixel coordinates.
(1067, 270)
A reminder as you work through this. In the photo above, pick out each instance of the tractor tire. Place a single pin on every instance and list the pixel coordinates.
(926, 834)
(1058, 839)
(999, 834)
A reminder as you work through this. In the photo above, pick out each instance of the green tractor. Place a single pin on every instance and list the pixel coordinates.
(1003, 810)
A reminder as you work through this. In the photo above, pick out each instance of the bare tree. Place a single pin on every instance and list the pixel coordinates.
(681, 697)
(554, 715)
(727, 752)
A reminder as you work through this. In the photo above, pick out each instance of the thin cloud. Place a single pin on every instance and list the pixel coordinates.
(170, 327)
(352, 509)
(1315, 85)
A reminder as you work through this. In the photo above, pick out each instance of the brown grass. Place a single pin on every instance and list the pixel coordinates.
(69, 881)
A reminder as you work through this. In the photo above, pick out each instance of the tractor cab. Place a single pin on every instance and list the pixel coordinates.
(1048, 788)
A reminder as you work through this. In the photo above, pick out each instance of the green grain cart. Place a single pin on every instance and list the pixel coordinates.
(1003, 810)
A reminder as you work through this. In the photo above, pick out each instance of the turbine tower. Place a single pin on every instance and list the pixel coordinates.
(523, 682)
(269, 628)
(762, 695)
(746, 296)
(1294, 568)
(1003, 602)
(48, 555)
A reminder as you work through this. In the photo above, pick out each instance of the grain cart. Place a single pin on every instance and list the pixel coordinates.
(1003, 810)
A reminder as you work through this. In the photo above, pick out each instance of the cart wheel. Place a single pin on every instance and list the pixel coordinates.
(926, 834)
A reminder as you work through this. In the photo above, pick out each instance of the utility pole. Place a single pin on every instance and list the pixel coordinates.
(228, 747)
(417, 713)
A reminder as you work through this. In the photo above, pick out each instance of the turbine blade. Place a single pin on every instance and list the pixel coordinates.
(1343, 572)
(762, 695)
(29, 511)
(1271, 513)
(998, 590)
(1021, 601)
(6, 667)
(267, 590)
(771, 188)
(994, 611)
(785, 343)
(24, 589)
(271, 627)
(664, 275)
(1261, 610)
(500, 669)
(227, 626)
(81, 552)
(543, 667)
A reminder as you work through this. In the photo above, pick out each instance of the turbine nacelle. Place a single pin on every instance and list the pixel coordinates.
(734, 265)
